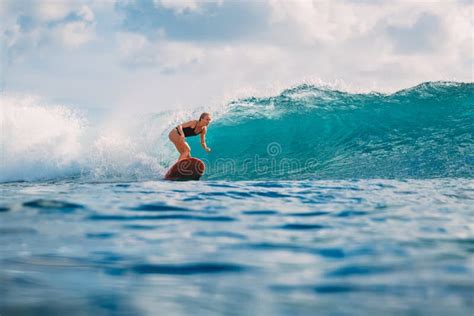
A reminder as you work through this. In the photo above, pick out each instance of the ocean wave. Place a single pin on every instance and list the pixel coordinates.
(305, 132)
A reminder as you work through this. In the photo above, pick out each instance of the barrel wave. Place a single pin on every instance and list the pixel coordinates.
(309, 132)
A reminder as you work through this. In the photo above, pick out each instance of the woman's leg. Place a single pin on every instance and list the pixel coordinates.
(182, 147)
(184, 150)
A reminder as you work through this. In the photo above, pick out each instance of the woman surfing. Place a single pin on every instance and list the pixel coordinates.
(189, 129)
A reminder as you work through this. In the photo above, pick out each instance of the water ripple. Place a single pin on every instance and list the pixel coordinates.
(17, 230)
(214, 234)
(188, 269)
(309, 214)
(158, 207)
(351, 270)
(46, 204)
(100, 235)
(260, 212)
(302, 226)
(350, 213)
(160, 217)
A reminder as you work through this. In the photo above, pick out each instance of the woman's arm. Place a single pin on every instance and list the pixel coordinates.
(203, 139)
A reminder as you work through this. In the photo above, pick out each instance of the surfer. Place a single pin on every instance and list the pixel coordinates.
(189, 129)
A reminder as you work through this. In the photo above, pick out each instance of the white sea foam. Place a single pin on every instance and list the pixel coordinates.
(41, 141)
(38, 141)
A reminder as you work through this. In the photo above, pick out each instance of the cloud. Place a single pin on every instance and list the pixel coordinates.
(174, 54)
(137, 51)
(53, 10)
(179, 6)
(36, 27)
(421, 37)
(184, 21)
(74, 34)
(324, 22)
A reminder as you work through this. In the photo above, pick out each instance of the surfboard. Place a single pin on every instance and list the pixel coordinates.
(186, 169)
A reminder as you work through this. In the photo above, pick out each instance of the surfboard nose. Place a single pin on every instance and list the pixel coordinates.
(186, 169)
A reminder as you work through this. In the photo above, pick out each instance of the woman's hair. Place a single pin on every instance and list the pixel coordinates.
(203, 115)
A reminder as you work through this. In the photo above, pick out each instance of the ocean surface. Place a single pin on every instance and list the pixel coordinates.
(315, 202)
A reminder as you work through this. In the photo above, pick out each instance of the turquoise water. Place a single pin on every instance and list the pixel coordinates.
(307, 132)
(315, 201)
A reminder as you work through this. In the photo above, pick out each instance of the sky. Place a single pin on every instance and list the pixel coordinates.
(171, 54)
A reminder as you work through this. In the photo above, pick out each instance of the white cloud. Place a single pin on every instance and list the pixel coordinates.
(167, 56)
(54, 10)
(324, 21)
(330, 22)
(359, 45)
(3, 8)
(85, 13)
(34, 26)
(180, 6)
(75, 34)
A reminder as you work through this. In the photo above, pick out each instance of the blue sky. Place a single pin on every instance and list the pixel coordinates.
(163, 54)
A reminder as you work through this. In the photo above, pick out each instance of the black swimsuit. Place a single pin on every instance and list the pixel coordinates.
(189, 131)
